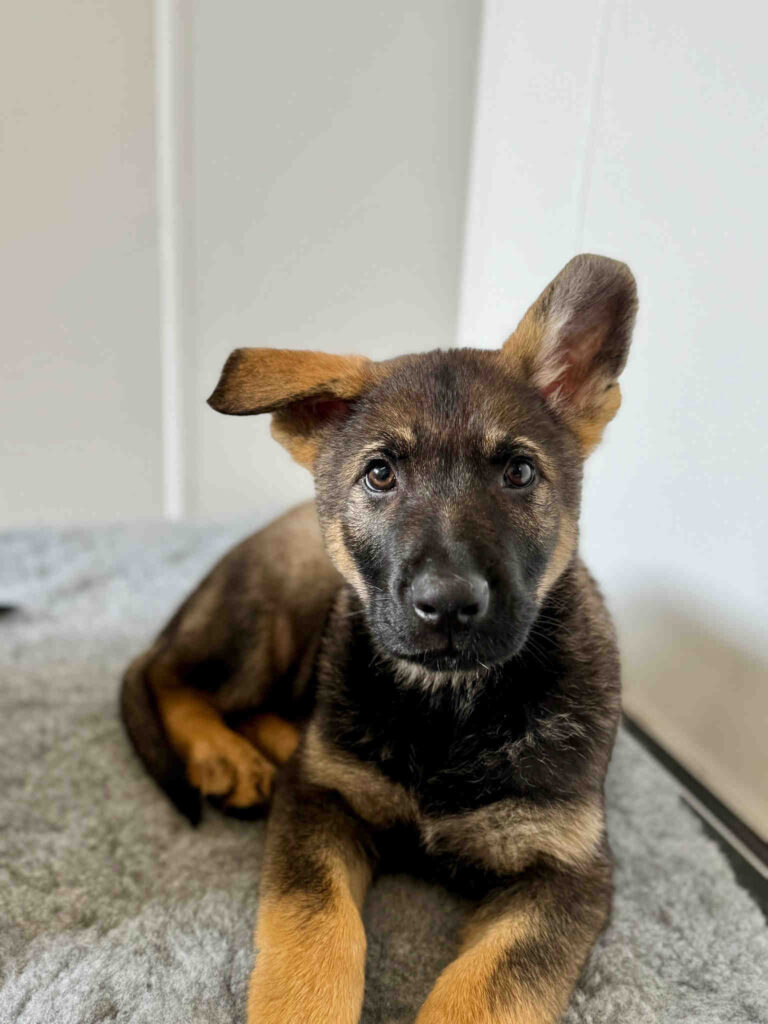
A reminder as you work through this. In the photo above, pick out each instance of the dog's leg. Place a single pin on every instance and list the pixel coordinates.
(243, 641)
(219, 761)
(310, 964)
(273, 735)
(523, 950)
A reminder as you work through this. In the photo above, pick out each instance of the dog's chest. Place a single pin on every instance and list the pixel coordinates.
(501, 836)
(450, 761)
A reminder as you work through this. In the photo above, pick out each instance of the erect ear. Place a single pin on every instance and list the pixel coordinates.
(305, 392)
(573, 342)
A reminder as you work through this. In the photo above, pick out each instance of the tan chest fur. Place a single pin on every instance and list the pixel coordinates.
(504, 836)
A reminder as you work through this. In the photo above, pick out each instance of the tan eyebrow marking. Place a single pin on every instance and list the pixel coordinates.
(495, 438)
(392, 438)
(533, 448)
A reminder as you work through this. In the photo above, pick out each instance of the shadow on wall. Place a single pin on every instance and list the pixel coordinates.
(700, 694)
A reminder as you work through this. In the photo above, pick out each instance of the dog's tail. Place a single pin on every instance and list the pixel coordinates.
(138, 709)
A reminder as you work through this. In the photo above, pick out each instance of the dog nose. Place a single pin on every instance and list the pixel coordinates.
(441, 597)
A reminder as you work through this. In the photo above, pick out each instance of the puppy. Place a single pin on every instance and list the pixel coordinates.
(424, 654)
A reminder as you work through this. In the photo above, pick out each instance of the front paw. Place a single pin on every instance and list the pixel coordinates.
(226, 765)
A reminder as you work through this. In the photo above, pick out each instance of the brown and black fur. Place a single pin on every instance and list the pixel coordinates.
(466, 739)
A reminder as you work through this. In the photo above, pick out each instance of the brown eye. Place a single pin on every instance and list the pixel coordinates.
(519, 473)
(380, 476)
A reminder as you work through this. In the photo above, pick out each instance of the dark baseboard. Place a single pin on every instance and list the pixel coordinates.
(747, 853)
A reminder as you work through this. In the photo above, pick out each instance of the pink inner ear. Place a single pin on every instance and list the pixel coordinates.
(327, 410)
(549, 389)
(578, 353)
(315, 413)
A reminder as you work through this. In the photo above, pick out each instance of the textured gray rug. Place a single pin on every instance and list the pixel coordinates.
(113, 909)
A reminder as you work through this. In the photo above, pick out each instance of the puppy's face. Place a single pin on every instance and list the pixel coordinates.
(449, 498)
(448, 484)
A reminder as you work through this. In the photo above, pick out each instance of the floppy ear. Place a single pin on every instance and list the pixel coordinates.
(305, 392)
(573, 342)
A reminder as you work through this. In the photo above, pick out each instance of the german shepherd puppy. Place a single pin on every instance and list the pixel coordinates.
(425, 655)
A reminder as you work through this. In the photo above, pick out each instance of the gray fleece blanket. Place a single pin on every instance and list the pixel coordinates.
(112, 908)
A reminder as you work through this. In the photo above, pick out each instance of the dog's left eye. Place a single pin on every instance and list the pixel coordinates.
(380, 476)
(520, 472)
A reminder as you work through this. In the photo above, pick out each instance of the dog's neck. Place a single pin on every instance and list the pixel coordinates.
(432, 732)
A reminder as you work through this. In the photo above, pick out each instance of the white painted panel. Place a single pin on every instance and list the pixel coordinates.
(79, 388)
(535, 98)
(677, 501)
(330, 154)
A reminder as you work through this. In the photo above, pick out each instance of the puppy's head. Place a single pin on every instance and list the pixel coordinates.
(448, 484)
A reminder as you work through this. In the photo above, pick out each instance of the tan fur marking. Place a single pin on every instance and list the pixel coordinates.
(342, 560)
(366, 790)
(561, 556)
(397, 433)
(461, 993)
(589, 429)
(523, 345)
(218, 761)
(508, 835)
(301, 446)
(494, 437)
(265, 379)
(311, 963)
(272, 735)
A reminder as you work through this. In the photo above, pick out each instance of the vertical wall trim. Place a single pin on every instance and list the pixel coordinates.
(167, 42)
(471, 175)
(592, 119)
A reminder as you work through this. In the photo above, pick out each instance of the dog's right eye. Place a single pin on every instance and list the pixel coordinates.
(380, 476)
(519, 472)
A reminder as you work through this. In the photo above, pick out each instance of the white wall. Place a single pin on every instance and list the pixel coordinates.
(637, 130)
(80, 380)
(329, 146)
(184, 177)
